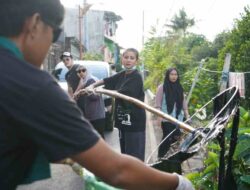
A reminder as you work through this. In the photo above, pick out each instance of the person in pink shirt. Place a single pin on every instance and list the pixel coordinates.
(170, 100)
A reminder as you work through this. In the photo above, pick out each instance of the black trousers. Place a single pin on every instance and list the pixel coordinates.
(133, 143)
(99, 125)
(167, 128)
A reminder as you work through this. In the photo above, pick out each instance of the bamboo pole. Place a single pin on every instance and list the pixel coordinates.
(141, 104)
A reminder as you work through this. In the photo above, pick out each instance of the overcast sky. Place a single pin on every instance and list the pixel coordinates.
(211, 16)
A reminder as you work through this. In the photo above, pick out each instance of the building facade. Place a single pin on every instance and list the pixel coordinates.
(90, 33)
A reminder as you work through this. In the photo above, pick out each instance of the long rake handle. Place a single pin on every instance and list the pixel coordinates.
(141, 104)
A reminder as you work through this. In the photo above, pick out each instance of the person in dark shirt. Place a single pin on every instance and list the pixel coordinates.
(93, 104)
(39, 123)
(129, 119)
(71, 76)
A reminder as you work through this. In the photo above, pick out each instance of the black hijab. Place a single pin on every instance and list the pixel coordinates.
(173, 93)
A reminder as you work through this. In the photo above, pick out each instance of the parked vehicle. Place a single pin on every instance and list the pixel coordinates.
(100, 70)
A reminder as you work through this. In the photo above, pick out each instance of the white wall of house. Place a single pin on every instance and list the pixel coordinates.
(71, 23)
(92, 35)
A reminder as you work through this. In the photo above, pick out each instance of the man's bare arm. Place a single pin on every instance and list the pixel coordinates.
(122, 170)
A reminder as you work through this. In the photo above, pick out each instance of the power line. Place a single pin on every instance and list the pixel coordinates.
(211, 7)
(211, 71)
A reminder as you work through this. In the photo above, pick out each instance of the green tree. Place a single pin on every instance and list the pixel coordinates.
(184, 53)
(238, 45)
(181, 22)
(201, 52)
(198, 46)
(193, 40)
(219, 43)
(93, 56)
(159, 54)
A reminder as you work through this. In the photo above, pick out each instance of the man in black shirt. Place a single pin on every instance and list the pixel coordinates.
(71, 76)
(38, 122)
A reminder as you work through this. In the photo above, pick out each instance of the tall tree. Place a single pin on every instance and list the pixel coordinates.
(239, 47)
(180, 22)
(219, 42)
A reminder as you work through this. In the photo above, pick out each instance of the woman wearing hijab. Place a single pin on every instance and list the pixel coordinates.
(92, 105)
(170, 100)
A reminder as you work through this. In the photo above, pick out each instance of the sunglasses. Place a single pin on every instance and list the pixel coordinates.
(56, 30)
(82, 70)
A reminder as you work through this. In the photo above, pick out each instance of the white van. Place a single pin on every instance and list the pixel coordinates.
(98, 69)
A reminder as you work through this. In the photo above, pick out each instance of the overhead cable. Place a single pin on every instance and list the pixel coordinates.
(211, 71)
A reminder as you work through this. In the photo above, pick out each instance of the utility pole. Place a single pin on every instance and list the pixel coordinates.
(225, 72)
(85, 26)
(142, 28)
(195, 79)
(80, 31)
(82, 12)
(143, 69)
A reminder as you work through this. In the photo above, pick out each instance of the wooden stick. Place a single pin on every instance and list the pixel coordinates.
(141, 104)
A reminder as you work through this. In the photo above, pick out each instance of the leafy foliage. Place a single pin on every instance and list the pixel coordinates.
(219, 43)
(158, 55)
(241, 167)
(207, 179)
(185, 53)
(162, 53)
(92, 56)
(241, 159)
(238, 45)
(181, 22)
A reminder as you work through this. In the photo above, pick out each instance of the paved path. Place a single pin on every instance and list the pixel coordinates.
(154, 136)
(151, 133)
(63, 177)
(112, 137)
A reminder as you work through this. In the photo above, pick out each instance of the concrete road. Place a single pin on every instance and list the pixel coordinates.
(112, 138)
(63, 177)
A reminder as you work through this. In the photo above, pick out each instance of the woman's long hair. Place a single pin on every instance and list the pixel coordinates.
(173, 93)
